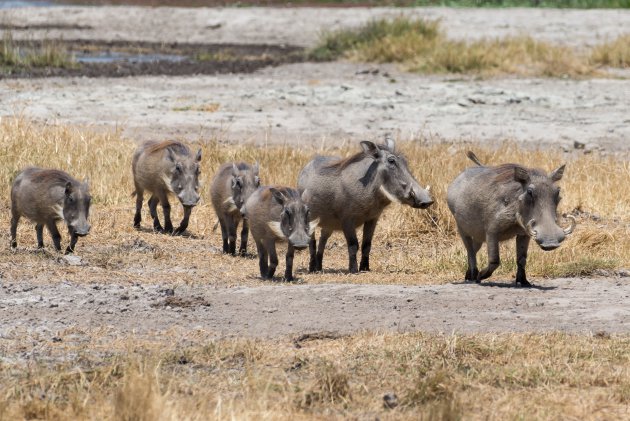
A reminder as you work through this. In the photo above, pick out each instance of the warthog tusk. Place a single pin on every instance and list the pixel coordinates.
(527, 227)
(428, 188)
(571, 227)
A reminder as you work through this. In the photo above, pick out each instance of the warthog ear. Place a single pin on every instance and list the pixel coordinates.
(199, 155)
(556, 175)
(234, 170)
(521, 175)
(170, 155)
(69, 188)
(278, 196)
(256, 168)
(370, 148)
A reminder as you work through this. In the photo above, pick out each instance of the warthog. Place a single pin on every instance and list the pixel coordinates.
(277, 214)
(347, 193)
(493, 204)
(47, 196)
(162, 168)
(231, 187)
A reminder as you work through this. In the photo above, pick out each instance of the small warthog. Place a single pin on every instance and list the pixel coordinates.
(231, 187)
(162, 168)
(493, 204)
(277, 214)
(347, 193)
(47, 196)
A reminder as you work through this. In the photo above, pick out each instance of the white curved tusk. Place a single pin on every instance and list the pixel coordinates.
(570, 228)
(527, 227)
(428, 188)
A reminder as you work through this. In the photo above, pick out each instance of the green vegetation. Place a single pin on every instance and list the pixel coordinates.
(48, 54)
(421, 46)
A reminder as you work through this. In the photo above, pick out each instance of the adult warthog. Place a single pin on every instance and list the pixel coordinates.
(494, 204)
(163, 168)
(347, 193)
(47, 196)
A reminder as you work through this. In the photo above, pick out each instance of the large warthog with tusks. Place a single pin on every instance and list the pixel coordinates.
(164, 168)
(344, 194)
(278, 214)
(47, 196)
(233, 184)
(494, 204)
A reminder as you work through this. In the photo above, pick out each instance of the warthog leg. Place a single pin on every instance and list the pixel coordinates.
(312, 249)
(472, 248)
(353, 245)
(288, 272)
(231, 226)
(262, 259)
(366, 244)
(139, 199)
(522, 244)
(166, 209)
(242, 250)
(270, 245)
(317, 259)
(153, 202)
(39, 230)
(224, 235)
(15, 218)
(184, 222)
(54, 233)
(73, 242)
(494, 260)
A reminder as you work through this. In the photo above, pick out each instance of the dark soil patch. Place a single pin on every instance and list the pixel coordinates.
(205, 59)
(181, 302)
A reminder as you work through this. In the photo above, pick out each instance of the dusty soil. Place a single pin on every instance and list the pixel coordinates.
(571, 305)
(325, 102)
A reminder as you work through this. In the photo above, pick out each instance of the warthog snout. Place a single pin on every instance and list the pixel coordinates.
(190, 201)
(82, 231)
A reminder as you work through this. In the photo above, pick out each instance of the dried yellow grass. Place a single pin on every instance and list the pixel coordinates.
(548, 376)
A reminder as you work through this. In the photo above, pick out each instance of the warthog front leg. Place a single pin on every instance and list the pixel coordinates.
(262, 259)
(494, 259)
(139, 199)
(366, 244)
(224, 235)
(230, 227)
(312, 250)
(522, 244)
(242, 250)
(166, 209)
(153, 202)
(288, 272)
(73, 242)
(270, 245)
(54, 233)
(39, 231)
(15, 218)
(184, 222)
(353, 245)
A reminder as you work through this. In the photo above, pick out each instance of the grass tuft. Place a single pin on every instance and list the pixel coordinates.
(421, 46)
(48, 54)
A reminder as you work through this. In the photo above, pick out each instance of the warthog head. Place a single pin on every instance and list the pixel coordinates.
(244, 183)
(184, 180)
(537, 207)
(76, 208)
(294, 219)
(398, 183)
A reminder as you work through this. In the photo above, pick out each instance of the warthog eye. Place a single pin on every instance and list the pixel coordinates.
(530, 192)
(391, 160)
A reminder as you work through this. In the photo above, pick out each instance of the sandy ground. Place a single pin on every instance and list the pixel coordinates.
(329, 102)
(333, 102)
(570, 305)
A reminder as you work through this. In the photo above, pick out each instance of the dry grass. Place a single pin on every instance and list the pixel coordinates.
(412, 246)
(49, 54)
(510, 376)
(421, 46)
